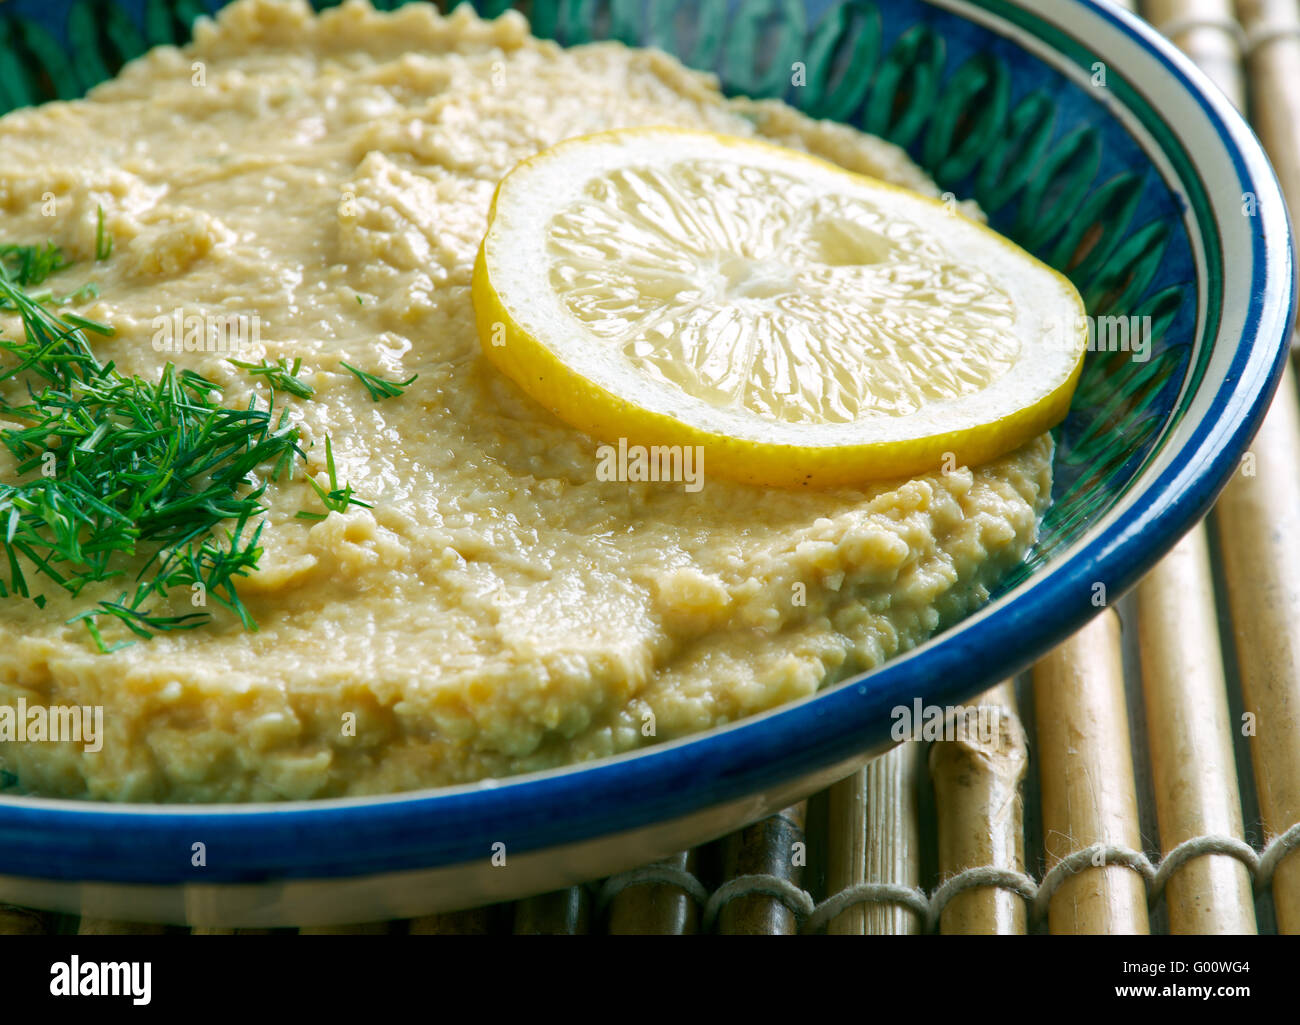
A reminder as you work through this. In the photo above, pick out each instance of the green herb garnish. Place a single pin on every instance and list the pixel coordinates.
(26, 266)
(86, 292)
(377, 386)
(86, 324)
(103, 240)
(280, 376)
(336, 499)
(121, 468)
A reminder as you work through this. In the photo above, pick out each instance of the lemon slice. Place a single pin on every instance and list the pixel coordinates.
(804, 324)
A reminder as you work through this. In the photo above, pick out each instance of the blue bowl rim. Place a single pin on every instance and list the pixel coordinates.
(348, 837)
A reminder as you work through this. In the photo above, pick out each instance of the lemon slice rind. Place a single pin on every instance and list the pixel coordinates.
(528, 333)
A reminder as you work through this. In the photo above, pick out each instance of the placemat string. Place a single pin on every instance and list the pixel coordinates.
(813, 916)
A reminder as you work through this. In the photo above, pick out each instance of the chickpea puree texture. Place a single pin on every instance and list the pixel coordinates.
(500, 609)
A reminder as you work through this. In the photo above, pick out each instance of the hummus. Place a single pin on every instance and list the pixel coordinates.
(501, 608)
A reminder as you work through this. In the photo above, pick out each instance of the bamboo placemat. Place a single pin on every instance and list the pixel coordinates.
(1144, 777)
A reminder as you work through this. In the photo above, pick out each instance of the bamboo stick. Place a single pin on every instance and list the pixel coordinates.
(1273, 32)
(773, 847)
(1207, 31)
(875, 837)
(846, 861)
(1258, 520)
(1086, 771)
(1192, 762)
(560, 913)
(656, 909)
(981, 815)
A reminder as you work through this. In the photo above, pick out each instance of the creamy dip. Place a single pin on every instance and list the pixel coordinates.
(502, 608)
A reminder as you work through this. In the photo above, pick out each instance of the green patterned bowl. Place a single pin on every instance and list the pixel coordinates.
(1086, 138)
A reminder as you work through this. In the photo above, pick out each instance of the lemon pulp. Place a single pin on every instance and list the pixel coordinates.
(804, 324)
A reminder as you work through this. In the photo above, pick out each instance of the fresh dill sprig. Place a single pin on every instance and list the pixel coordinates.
(112, 469)
(26, 266)
(85, 293)
(336, 499)
(377, 386)
(103, 240)
(280, 376)
(86, 324)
